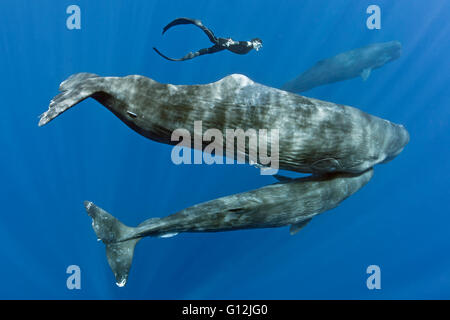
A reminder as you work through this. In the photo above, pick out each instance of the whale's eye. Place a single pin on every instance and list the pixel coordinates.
(132, 114)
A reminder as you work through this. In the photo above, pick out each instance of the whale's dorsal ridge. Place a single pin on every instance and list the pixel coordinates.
(237, 78)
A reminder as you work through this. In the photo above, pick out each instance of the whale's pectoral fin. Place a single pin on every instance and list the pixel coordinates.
(73, 90)
(116, 237)
(295, 228)
(365, 73)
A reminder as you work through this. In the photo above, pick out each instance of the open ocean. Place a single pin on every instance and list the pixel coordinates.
(400, 221)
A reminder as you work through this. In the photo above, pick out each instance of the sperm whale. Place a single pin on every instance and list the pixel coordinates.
(346, 65)
(294, 202)
(314, 136)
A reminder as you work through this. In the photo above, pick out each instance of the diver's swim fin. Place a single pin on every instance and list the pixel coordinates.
(179, 21)
(194, 22)
(166, 57)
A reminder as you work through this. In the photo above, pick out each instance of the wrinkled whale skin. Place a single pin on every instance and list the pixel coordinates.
(314, 136)
(294, 203)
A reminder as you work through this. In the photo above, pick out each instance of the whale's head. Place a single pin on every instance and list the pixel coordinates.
(388, 51)
(396, 141)
(394, 48)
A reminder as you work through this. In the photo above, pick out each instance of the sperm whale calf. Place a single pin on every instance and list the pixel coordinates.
(346, 65)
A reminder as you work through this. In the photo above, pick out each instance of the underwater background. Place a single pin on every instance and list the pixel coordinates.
(400, 221)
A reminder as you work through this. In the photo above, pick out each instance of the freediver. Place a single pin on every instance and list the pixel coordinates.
(239, 47)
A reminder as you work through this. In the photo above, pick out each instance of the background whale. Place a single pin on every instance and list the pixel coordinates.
(314, 136)
(294, 203)
(346, 65)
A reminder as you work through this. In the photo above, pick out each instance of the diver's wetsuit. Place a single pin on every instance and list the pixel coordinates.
(239, 47)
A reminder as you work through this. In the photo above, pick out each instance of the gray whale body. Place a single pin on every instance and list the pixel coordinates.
(346, 65)
(294, 203)
(314, 136)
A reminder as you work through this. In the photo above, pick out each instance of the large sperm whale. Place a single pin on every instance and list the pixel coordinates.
(314, 136)
(294, 202)
(346, 65)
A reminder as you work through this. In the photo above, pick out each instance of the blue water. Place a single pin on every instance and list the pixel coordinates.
(400, 221)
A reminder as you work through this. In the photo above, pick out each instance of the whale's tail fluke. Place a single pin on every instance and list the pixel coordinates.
(116, 237)
(73, 90)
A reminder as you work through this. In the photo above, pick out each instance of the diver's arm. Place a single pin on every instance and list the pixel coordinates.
(191, 55)
(195, 22)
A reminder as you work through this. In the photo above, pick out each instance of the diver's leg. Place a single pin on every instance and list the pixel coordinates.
(215, 48)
